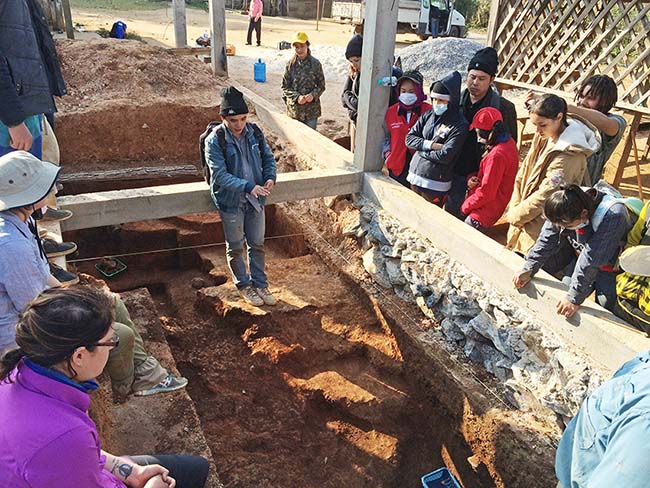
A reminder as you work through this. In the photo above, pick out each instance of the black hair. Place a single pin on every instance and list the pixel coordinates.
(600, 86)
(549, 106)
(294, 58)
(498, 130)
(568, 203)
(57, 322)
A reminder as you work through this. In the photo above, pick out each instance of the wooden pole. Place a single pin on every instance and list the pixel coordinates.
(218, 37)
(492, 23)
(317, 13)
(180, 23)
(67, 15)
(380, 28)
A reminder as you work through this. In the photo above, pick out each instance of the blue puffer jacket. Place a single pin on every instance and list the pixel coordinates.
(450, 129)
(227, 181)
(30, 73)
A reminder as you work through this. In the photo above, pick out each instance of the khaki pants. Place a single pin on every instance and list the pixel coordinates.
(129, 366)
(51, 153)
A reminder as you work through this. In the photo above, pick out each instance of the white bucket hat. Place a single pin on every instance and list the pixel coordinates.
(25, 179)
(636, 260)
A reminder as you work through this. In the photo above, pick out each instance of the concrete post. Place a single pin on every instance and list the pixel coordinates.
(218, 37)
(380, 26)
(67, 15)
(180, 23)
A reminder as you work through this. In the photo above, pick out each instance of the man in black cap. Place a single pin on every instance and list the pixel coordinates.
(242, 175)
(478, 94)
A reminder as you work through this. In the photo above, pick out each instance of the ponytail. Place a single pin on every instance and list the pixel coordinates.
(8, 362)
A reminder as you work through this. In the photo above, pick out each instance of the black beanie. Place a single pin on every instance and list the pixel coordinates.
(232, 102)
(485, 60)
(439, 88)
(354, 47)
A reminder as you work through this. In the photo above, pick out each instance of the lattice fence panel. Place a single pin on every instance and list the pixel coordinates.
(559, 43)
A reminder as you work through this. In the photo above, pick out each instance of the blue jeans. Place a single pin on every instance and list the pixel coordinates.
(312, 123)
(36, 149)
(245, 224)
(456, 196)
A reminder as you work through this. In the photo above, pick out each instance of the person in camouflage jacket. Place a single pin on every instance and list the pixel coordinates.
(303, 83)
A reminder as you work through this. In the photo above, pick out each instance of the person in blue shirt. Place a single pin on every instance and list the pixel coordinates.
(607, 443)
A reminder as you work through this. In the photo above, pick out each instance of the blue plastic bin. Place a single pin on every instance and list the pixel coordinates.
(259, 71)
(440, 478)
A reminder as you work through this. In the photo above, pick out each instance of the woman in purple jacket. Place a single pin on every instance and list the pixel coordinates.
(46, 437)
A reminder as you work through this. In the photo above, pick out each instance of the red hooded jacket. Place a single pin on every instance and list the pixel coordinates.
(496, 176)
(398, 129)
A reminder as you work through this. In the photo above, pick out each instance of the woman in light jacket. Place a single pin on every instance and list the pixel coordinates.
(557, 157)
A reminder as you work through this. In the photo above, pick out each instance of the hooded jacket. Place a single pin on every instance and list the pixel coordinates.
(539, 177)
(450, 129)
(30, 73)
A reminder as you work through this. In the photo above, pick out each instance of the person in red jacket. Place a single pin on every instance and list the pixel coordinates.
(400, 117)
(490, 190)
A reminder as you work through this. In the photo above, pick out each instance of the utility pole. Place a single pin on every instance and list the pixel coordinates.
(180, 23)
(67, 15)
(218, 37)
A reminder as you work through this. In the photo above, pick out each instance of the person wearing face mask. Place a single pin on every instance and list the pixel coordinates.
(303, 83)
(490, 190)
(584, 233)
(557, 157)
(478, 94)
(437, 138)
(400, 117)
(25, 182)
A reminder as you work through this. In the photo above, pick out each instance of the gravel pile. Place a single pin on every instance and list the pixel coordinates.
(437, 57)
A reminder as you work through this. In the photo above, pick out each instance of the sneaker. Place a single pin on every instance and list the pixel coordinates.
(171, 383)
(636, 260)
(56, 215)
(266, 295)
(250, 296)
(64, 276)
(248, 44)
(54, 249)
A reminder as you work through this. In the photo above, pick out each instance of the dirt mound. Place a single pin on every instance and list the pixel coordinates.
(102, 71)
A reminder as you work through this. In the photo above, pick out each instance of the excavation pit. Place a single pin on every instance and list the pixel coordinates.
(327, 388)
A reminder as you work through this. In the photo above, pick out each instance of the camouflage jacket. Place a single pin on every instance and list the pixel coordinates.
(302, 78)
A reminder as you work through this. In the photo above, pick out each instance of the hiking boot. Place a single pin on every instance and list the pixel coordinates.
(171, 383)
(55, 249)
(250, 296)
(64, 276)
(266, 296)
(636, 260)
(56, 215)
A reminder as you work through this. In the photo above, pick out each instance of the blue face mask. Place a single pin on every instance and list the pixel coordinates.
(408, 99)
(439, 109)
(579, 226)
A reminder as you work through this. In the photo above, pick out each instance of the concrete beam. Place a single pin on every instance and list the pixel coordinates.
(602, 336)
(218, 37)
(180, 23)
(157, 202)
(380, 26)
(308, 143)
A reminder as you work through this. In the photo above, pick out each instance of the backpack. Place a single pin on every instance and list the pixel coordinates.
(612, 197)
(221, 138)
(118, 30)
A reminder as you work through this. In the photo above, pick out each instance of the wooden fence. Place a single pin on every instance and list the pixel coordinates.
(557, 44)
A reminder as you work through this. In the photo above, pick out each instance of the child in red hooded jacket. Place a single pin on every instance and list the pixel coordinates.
(400, 117)
(490, 190)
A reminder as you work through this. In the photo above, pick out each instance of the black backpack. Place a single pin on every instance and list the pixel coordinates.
(221, 137)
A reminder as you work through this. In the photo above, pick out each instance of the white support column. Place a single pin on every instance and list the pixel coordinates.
(180, 23)
(379, 29)
(218, 37)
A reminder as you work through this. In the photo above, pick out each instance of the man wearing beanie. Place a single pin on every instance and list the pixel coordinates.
(350, 95)
(478, 94)
(242, 175)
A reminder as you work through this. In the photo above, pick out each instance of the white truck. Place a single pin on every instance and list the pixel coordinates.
(426, 18)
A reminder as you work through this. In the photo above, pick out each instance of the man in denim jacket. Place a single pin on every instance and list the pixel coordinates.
(243, 173)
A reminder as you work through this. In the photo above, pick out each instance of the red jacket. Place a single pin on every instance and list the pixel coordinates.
(496, 176)
(398, 128)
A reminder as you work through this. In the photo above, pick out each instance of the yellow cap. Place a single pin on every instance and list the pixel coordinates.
(300, 37)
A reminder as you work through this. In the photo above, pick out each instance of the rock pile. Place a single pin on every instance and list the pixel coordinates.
(534, 365)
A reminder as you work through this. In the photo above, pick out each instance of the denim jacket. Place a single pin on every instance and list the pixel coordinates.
(227, 182)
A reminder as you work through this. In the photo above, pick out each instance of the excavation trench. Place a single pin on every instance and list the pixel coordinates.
(324, 389)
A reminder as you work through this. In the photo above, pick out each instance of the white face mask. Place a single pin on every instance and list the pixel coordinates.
(439, 109)
(479, 139)
(408, 98)
(579, 226)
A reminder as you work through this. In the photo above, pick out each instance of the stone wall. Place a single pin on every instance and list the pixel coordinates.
(532, 362)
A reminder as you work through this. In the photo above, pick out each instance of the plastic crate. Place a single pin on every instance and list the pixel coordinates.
(121, 267)
(440, 478)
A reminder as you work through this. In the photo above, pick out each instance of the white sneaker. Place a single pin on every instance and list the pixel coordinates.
(266, 296)
(250, 296)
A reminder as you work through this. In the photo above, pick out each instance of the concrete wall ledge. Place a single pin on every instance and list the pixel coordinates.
(602, 337)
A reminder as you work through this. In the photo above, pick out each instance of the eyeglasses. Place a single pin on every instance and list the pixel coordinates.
(114, 342)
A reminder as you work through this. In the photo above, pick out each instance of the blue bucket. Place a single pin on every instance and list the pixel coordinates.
(440, 478)
(259, 71)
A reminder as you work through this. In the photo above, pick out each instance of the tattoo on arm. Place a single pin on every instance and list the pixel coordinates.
(120, 468)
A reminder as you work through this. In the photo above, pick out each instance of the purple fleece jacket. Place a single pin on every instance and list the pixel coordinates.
(47, 439)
